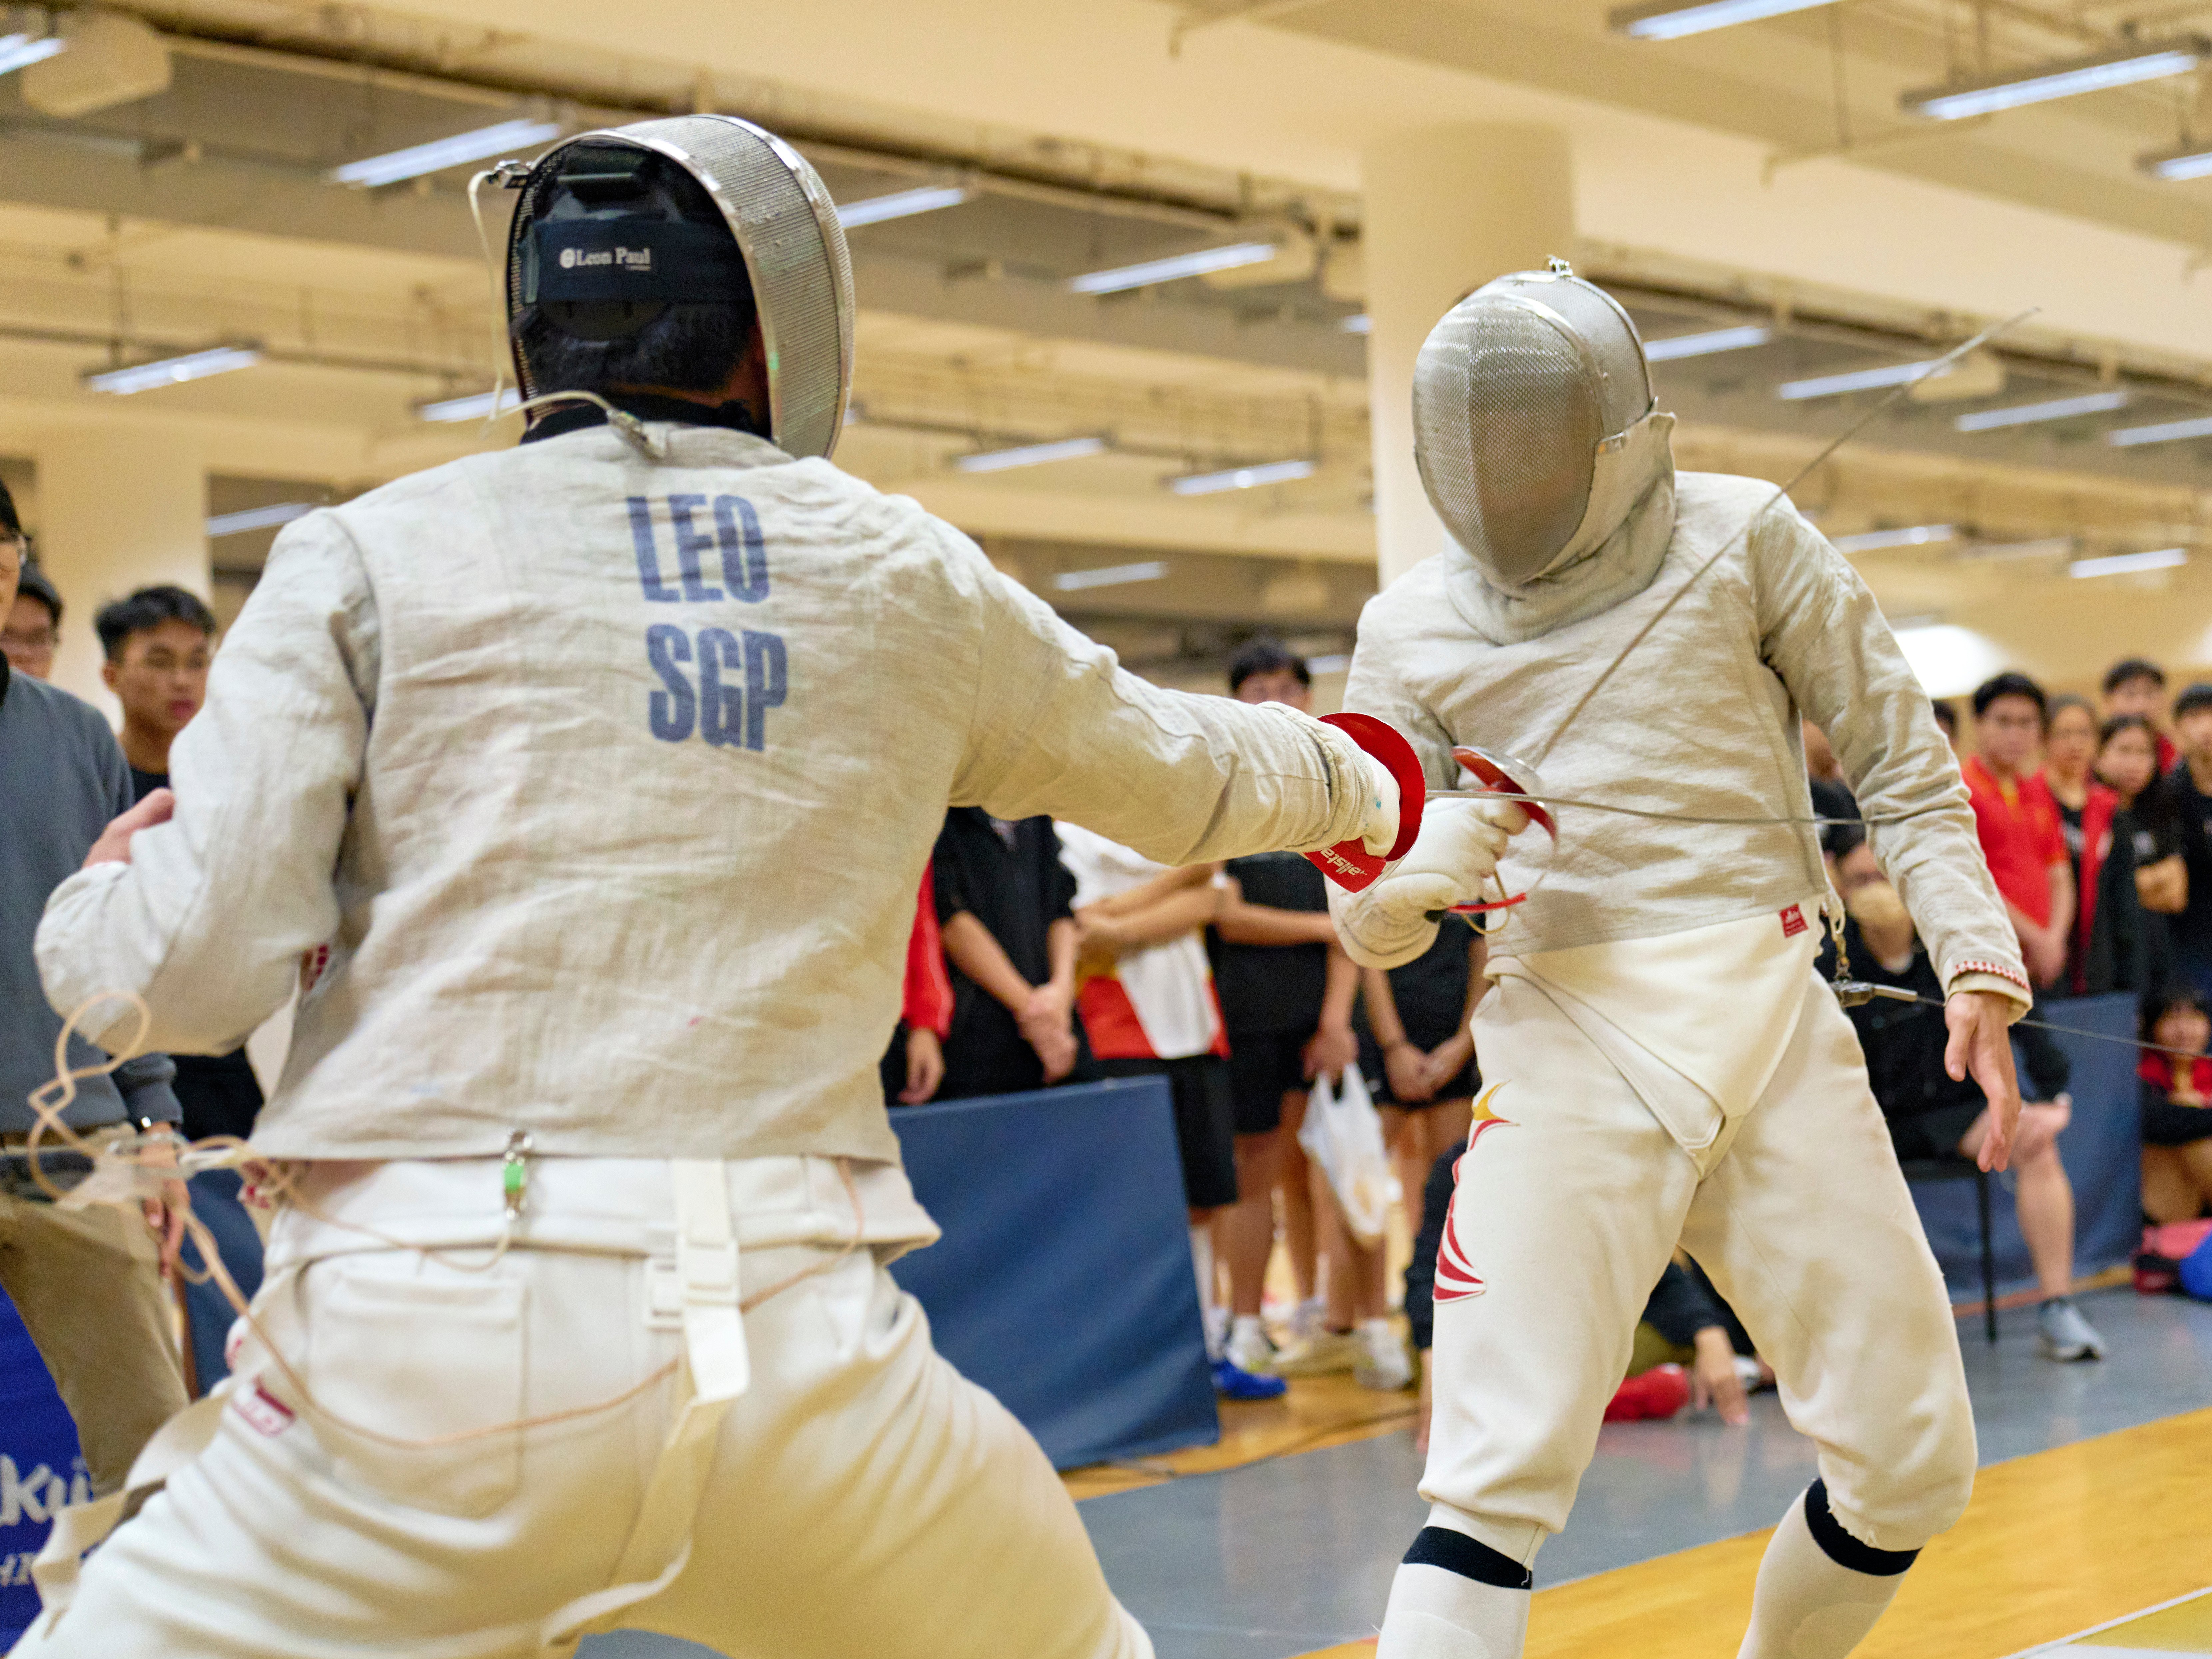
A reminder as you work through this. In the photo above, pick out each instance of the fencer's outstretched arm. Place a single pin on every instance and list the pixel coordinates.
(1822, 631)
(263, 778)
(1060, 727)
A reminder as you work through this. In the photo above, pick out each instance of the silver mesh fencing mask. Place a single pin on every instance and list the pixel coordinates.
(787, 233)
(1520, 396)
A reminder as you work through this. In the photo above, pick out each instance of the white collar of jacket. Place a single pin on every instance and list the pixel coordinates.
(1613, 554)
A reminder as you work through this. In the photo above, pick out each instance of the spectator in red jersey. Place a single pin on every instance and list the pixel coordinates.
(914, 1065)
(2135, 685)
(2023, 834)
(2176, 1107)
(2106, 949)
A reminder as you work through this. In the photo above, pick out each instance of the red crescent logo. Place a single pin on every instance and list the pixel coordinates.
(1456, 1279)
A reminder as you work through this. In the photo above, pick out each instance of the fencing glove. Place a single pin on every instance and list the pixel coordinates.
(1456, 852)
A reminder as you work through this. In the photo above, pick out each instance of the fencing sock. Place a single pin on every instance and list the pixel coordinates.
(1820, 1588)
(1201, 1263)
(1455, 1597)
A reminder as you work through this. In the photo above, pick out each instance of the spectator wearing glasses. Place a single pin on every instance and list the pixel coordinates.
(86, 1283)
(159, 643)
(2022, 836)
(33, 626)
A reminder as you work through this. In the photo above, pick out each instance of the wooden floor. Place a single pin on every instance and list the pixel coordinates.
(2053, 1544)
(1317, 1412)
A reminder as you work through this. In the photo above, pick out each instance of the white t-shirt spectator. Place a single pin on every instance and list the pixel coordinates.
(1156, 1003)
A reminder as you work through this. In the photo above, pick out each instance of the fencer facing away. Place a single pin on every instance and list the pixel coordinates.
(585, 787)
(1662, 1063)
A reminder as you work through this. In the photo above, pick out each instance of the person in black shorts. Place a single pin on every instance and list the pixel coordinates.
(1286, 995)
(1421, 1055)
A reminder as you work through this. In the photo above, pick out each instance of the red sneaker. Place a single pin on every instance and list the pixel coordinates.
(1660, 1392)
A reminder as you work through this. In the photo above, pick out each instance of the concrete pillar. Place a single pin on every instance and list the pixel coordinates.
(119, 508)
(1446, 209)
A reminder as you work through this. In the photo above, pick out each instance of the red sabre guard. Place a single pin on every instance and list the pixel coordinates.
(1503, 775)
(1349, 863)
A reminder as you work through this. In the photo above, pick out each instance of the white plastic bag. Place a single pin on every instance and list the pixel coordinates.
(1343, 1133)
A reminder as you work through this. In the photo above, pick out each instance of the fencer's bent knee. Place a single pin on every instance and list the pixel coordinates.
(1899, 1504)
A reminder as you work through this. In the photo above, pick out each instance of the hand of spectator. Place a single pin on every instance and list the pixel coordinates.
(925, 1065)
(1329, 1051)
(1099, 934)
(1713, 1379)
(1407, 1068)
(1046, 1026)
(165, 1216)
(1981, 1042)
(114, 846)
(2046, 958)
(1448, 1058)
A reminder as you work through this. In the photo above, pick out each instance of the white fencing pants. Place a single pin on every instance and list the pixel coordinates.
(863, 1497)
(1566, 1212)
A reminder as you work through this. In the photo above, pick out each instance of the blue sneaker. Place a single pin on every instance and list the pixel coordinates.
(1232, 1382)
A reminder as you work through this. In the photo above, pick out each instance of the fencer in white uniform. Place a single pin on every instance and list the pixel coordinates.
(585, 788)
(1663, 1064)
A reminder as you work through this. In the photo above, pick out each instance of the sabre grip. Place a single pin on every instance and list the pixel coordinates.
(1349, 863)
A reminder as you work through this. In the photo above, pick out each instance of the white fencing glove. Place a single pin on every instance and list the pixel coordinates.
(1455, 853)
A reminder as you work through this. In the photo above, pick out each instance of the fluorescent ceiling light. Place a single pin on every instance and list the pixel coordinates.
(1916, 535)
(470, 406)
(1362, 324)
(2056, 408)
(1241, 477)
(171, 371)
(2192, 162)
(2034, 86)
(258, 518)
(1168, 269)
(1857, 380)
(19, 50)
(1112, 575)
(2043, 547)
(441, 153)
(2120, 564)
(2164, 432)
(1335, 664)
(1704, 344)
(1672, 18)
(1060, 449)
(901, 205)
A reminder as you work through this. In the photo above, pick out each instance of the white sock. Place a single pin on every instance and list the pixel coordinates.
(1809, 1605)
(1246, 1325)
(1201, 1263)
(1440, 1612)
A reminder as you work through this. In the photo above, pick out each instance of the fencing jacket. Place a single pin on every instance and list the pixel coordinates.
(1701, 720)
(588, 794)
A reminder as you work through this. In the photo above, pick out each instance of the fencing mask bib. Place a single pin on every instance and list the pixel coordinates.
(602, 244)
(1536, 431)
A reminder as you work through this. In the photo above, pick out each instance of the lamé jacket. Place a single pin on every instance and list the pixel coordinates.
(588, 793)
(1699, 721)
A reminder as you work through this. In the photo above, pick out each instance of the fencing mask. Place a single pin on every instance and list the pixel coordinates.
(675, 234)
(1535, 428)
